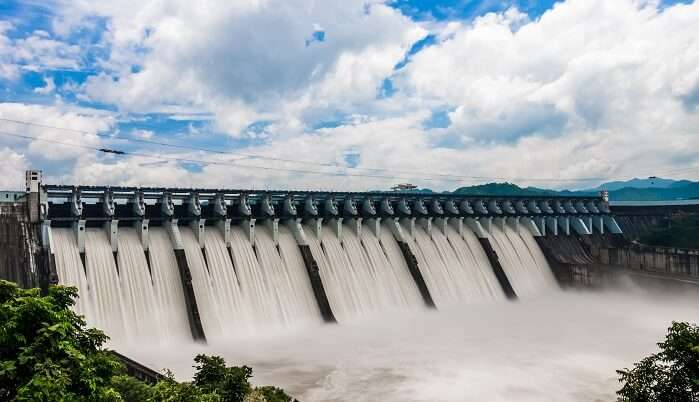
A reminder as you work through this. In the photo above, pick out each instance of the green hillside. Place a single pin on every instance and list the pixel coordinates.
(679, 191)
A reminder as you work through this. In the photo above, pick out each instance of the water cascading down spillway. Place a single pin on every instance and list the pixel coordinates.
(455, 269)
(227, 276)
(363, 275)
(522, 260)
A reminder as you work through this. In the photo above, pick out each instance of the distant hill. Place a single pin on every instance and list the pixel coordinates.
(675, 192)
(655, 182)
(503, 189)
(651, 182)
(671, 190)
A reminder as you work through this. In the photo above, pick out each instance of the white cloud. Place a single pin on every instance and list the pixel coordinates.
(46, 117)
(14, 164)
(36, 51)
(247, 61)
(48, 88)
(591, 89)
(143, 134)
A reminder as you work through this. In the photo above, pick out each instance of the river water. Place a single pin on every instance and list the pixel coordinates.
(557, 346)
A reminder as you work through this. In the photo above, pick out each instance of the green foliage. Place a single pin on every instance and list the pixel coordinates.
(682, 232)
(672, 375)
(131, 389)
(212, 375)
(507, 189)
(273, 394)
(46, 352)
(169, 390)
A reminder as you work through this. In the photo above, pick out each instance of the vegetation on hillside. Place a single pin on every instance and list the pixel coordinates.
(507, 189)
(678, 191)
(671, 375)
(47, 353)
(682, 232)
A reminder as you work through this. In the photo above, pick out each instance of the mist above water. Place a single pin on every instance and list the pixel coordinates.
(558, 346)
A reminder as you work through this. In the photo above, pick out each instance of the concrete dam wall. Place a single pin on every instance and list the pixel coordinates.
(19, 246)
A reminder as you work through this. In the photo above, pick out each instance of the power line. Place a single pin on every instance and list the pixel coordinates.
(204, 162)
(119, 153)
(431, 176)
(443, 176)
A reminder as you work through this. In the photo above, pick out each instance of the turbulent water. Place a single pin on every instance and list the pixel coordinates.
(555, 347)
(257, 307)
(138, 294)
(70, 268)
(454, 266)
(168, 287)
(522, 260)
(257, 286)
(248, 288)
(108, 305)
(363, 275)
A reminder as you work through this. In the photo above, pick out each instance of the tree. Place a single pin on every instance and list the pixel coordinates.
(671, 375)
(46, 351)
(274, 394)
(230, 382)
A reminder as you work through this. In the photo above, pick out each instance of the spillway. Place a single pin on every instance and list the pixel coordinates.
(141, 309)
(201, 282)
(167, 286)
(437, 274)
(245, 288)
(70, 269)
(477, 273)
(105, 287)
(226, 294)
(295, 306)
(359, 276)
(522, 260)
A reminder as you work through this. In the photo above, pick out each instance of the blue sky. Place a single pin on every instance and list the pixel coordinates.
(435, 87)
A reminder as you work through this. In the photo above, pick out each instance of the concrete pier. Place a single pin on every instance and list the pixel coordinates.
(497, 268)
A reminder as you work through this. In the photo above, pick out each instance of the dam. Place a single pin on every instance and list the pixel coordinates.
(198, 263)
(344, 295)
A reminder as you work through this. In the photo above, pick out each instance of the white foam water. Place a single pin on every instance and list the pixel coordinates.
(347, 288)
(253, 290)
(202, 283)
(395, 284)
(70, 269)
(259, 306)
(141, 310)
(529, 273)
(226, 292)
(478, 275)
(296, 307)
(436, 273)
(167, 285)
(105, 289)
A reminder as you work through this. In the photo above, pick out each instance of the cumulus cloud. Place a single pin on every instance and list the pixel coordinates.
(591, 89)
(34, 52)
(48, 88)
(48, 122)
(14, 165)
(247, 59)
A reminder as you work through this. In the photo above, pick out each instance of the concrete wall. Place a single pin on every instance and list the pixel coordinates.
(19, 246)
(673, 261)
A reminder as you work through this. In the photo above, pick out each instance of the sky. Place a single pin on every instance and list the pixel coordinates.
(348, 95)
